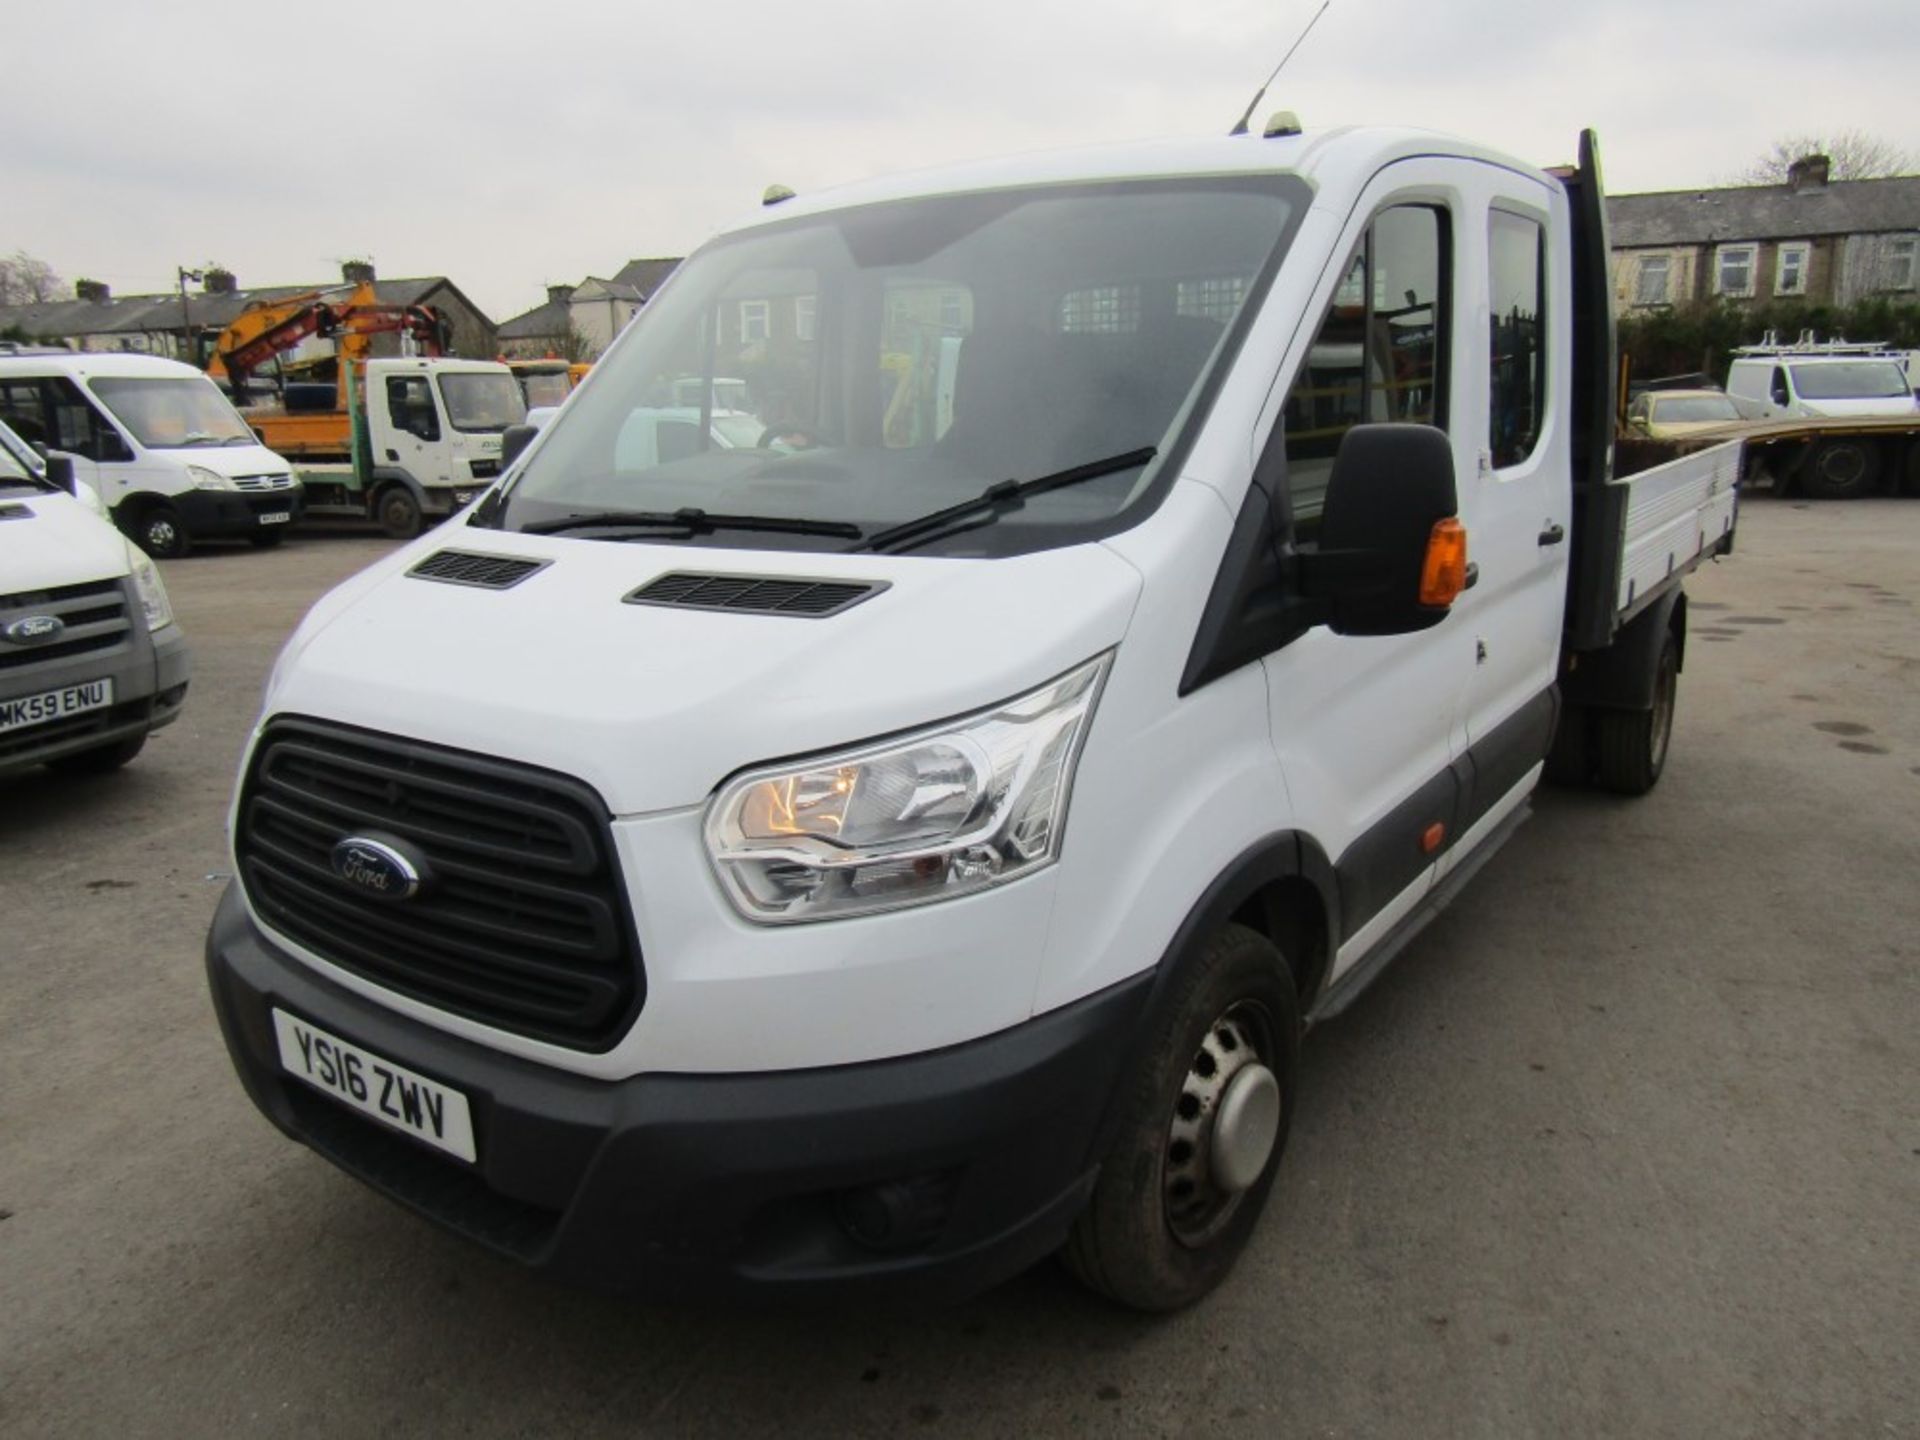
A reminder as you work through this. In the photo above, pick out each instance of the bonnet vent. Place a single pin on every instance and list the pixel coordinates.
(15, 512)
(755, 594)
(488, 572)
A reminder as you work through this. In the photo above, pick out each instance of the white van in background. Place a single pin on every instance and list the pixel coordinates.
(1832, 381)
(91, 660)
(164, 450)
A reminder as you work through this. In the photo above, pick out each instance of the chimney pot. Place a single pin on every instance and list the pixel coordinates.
(559, 294)
(94, 292)
(357, 272)
(1809, 172)
(218, 281)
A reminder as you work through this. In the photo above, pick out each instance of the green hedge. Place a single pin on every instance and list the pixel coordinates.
(1702, 336)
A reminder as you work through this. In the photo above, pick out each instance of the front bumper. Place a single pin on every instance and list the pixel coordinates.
(215, 513)
(714, 1186)
(150, 678)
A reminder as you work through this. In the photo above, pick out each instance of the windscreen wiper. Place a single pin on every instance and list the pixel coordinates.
(996, 500)
(693, 521)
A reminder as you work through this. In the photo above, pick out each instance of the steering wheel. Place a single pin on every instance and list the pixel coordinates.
(791, 437)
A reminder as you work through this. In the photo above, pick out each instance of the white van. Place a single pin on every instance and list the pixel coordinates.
(1820, 381)
(864, 865)
(91, 659)
(157, 441)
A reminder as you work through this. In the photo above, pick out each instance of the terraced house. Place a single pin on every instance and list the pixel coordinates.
(1829, 242)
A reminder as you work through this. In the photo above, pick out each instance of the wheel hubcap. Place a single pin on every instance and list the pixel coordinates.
(1225, 1123)
(1842, 464)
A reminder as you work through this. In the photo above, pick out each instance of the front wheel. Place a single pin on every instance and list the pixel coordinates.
(1631, 745)
(161, 533)
(1200, 1133)
(398, 512)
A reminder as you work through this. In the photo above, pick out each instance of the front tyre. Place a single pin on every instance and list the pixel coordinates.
(161, 532)
(398, 512)
(1200, 1132)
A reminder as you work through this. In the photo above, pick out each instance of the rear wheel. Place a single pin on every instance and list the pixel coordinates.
(398, 512)
(105, 760)
(1200, 1132)
(161, 533)
(1630, 746)
(1841, 469)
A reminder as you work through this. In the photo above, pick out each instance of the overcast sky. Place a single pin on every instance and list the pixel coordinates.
(508, 145)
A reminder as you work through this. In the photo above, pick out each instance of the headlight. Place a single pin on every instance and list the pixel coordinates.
(940, 813)
(153, 593)
(205, 479)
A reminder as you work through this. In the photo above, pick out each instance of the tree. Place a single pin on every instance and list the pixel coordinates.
(1856, 155)
(28, 280)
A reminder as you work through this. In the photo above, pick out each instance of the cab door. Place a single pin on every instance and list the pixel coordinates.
(1520, 484)
(411, 437)
(1367, 728)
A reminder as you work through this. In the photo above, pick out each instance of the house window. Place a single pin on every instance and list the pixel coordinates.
(1651, 280)
(803, 311)
(1733, 270)
(753, 321)
(1790, 270)
(1899, 262)
(953, 310)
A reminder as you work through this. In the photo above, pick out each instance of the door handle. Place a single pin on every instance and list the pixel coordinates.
(1553, 534)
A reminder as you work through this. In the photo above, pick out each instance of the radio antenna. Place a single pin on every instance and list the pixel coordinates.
(1247, 114)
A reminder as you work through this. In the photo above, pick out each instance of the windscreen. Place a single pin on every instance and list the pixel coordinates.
(1850, 380)
(870, 366)
(1688, 409)
(544, 387)
(482, 400)
(172, 413)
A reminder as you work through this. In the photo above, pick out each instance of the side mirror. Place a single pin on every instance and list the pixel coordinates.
(60, 472)
(1392, 556)
(514, 440)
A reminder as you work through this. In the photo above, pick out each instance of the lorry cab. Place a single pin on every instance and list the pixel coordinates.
(867, 861)
(157, 441)
(438, 422)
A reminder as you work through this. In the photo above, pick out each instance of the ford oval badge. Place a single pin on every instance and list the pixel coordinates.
(378, 869)
(35, 629)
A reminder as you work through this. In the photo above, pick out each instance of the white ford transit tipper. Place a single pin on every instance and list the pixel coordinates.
(91, 661)
(870, 859)
(157, 441)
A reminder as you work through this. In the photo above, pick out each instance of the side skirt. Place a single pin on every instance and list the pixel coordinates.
(1344, 991)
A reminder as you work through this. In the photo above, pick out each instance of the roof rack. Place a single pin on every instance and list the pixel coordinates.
(1809, 344)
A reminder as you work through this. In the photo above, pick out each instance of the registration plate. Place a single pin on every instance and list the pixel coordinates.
(390, 1093)
(55, 704)
(276, 517)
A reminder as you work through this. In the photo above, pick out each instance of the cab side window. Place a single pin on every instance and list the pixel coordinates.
(1380, 354)
(20, 407)
(410, 406)
(75, 426)
(1516, 281)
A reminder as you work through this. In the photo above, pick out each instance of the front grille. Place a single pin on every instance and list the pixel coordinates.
(264, 482)
(755, 594)
(94, 614)
(522, 922)
(464, 567)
